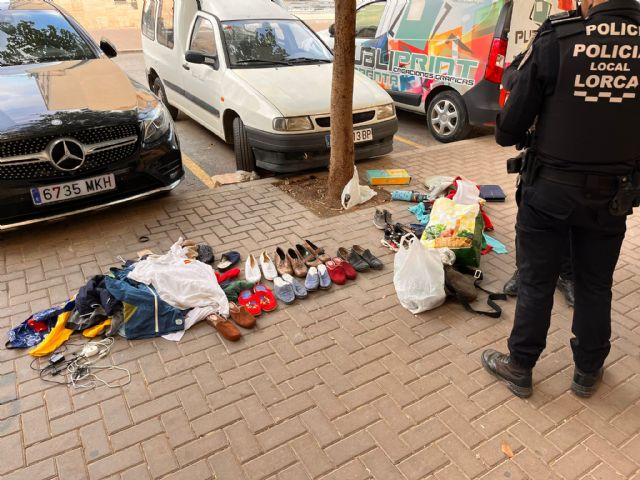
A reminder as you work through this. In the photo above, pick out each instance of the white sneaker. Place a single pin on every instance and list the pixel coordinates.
(268, 267)
(252, 270)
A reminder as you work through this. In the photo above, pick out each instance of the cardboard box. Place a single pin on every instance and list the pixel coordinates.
(398, 176)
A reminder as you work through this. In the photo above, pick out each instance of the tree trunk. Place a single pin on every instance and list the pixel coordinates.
(342, 149)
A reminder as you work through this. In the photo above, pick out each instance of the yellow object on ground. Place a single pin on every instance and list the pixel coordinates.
(96, 330)
(56, 337)
(398, 176)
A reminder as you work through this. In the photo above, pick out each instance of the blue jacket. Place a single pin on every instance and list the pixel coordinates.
(145, 313)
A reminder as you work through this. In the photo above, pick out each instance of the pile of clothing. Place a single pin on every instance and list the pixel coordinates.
(158, 295)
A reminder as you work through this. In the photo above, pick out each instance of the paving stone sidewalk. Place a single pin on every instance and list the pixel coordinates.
(345, 385)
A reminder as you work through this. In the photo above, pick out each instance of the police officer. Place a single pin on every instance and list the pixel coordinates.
(581, 81)
(565, 280)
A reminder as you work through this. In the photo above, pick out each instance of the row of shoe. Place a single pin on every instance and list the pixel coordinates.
(287, 288)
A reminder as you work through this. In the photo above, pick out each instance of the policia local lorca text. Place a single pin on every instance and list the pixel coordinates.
(603, 53)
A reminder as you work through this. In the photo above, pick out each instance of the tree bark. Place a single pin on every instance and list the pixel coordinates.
(342, 149)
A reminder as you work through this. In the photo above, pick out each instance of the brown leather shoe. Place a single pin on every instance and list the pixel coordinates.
(227, 329)
(317, 251)
(283, 264)
(299, 268)
(241, 316)
(309, 258)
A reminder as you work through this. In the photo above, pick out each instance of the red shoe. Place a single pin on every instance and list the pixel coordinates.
(268, 302)
(250, 301)
(349, 271)
(336, 272)
(228, 275)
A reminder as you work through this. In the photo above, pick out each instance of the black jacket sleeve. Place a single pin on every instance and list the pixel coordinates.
(532, 80)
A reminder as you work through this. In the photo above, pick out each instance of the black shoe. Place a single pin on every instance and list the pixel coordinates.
(516, 378)
(585, 384)
(511, 287)
(567, 289)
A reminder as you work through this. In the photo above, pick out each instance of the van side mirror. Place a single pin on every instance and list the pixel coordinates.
(332, 30)
(200, 58)
(108, 48)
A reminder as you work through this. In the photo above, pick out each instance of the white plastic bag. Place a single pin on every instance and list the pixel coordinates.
(354, 193)
(467, 193)
(418, 276)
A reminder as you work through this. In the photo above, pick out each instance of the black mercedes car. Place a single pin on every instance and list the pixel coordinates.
(76, 134)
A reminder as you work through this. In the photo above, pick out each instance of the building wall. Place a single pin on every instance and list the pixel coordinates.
(104, 14)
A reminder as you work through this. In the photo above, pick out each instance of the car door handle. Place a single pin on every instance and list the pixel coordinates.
(186, 66)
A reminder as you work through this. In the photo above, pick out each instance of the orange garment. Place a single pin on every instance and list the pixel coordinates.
(96, 330)
(56, 337)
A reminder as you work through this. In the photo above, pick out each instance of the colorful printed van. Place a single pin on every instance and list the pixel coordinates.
(445, 58)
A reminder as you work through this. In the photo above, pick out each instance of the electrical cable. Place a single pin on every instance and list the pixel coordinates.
(82, 366)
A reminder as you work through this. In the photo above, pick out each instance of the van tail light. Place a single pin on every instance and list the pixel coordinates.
(495, 65)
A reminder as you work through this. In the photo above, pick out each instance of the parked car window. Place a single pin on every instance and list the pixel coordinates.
(204, 37)
(272, 42)
(39, 36)
(368, 19)
(149, 19)
(165, 23)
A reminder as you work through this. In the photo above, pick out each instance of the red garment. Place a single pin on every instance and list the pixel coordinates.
(234, 272)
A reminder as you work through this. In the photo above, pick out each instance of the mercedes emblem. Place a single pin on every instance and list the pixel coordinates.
(66, 154)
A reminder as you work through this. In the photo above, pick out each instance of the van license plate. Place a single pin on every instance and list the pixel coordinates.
(70, 190)
(359, 136)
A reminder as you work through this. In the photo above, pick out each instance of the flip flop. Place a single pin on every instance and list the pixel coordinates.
(228, 260)
(250, 301)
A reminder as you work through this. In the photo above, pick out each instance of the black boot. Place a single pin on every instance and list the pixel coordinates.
(511, 287)
(585, 384)
(501, 366)
(567, 288)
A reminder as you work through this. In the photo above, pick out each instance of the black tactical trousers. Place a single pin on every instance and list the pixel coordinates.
(550, 217)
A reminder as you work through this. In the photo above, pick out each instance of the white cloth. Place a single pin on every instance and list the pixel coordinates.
(182, 282)
(194, 316)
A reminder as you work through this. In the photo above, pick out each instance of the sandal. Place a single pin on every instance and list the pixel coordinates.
(250, 301)
(317, 251)
(224, 327)
(268, 302)
(309, 258)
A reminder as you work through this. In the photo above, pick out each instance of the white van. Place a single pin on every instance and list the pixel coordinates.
(258, 78)
(445, 59)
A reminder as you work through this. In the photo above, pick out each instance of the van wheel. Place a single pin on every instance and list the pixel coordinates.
(245, 160)
(158, 89)
(447, 117)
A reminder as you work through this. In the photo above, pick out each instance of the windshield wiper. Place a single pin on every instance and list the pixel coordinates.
(265, 62)
(308, 59)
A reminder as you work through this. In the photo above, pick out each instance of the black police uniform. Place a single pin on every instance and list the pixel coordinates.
(580, 80)
(508, 82)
